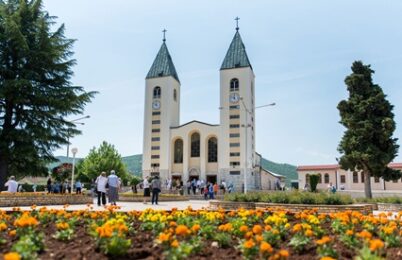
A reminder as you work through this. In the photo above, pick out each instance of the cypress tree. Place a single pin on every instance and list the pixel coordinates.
(367, 145)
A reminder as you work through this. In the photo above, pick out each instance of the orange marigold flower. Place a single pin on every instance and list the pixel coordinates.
(266, 247)
(26, 221)
(249, 244)
(376, 244)
(297, 228)
(259, 238)
(12, 233)
(172, 224)
(324, 240)
(308, 233)
(3, 226)
(349, 232)
(267, 228)
(327, 258)
(365, 234)
(12, 256)
(249, 234)
(195, 228)
(175, 243)
(257, 229)
(283, 253)
(243, 228)
(62, 225)
(182, 230)
(163, 237)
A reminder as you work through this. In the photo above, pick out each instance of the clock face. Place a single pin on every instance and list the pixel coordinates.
(234, 98)
(156, 104)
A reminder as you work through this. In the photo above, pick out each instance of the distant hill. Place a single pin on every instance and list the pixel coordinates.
(134, 166)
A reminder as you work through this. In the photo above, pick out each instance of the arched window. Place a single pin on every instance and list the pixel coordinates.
(308, 179)
(212, 150)
(320, 178)
(234, 85)
(157, 92)
(326, 178)
(174, 94)
(355, 178)
(195, 145)
(178, 151)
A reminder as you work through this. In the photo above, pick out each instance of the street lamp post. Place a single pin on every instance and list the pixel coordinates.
(75, 122)
(246, 126)
(74, 151)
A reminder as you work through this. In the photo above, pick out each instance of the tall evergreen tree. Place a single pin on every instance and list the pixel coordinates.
(36, 94)
(367, 144)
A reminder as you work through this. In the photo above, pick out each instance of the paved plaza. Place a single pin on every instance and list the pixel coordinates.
(128, 206)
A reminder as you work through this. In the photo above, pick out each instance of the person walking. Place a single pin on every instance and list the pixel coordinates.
(78, 187)
(216, 188)
(49, 185)
(100, 188)
(156, 188)
(147, 192)
(114, 185)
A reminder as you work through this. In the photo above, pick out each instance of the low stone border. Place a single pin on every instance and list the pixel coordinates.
(29, 199)
(389, 207)
(293, 208)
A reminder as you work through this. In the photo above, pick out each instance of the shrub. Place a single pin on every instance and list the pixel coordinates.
(292, 197)
(392, 200)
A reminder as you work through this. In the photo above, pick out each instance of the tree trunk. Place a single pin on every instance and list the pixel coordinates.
(3, 172)
(367, 185)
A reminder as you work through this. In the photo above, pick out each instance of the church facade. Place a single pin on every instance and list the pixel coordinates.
(211, 152)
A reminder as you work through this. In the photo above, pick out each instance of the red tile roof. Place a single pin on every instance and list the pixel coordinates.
(335, 167)
(318, 167)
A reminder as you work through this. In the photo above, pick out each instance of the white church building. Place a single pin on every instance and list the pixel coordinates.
(211, 152)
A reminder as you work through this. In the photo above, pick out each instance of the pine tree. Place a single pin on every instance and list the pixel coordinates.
(36, 94)
(367, 145)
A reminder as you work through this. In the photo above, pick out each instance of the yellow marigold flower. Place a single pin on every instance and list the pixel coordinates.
(324, 240)
(3, 226)
(175, 243)
(283, 253)
(349, 232)
(327, 258)
(195, 228)
(62, 225)
(163, 237)
(308, 233)
(248, 234)
(287, 225)
(243, 228)
(182, 230)
(12, 233)
(266, 247)
(249, 244)
(376, 244)
(257, 229)
(365, 234)
(12, 256)
(275, 232)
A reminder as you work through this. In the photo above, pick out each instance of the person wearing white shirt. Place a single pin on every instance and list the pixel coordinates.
(101, 182)
(12, 185)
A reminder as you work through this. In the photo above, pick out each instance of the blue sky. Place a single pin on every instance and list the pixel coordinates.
(301, 52)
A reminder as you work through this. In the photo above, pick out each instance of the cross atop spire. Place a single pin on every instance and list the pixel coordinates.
(237, 23)
(164, 35)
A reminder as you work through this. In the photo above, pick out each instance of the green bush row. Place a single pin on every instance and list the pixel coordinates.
(393, 200)
(292, 197)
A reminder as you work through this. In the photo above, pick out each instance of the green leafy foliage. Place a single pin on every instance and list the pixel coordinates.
(314, 178)
(104, 158)
(367, 144)
(36, 94)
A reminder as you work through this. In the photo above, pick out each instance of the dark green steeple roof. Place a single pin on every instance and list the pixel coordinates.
(163, 65)
(236, 57)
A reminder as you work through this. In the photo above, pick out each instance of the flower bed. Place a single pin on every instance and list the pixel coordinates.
(250, 234)
(31, 198)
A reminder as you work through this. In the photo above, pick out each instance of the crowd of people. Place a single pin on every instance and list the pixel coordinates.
(63, 187)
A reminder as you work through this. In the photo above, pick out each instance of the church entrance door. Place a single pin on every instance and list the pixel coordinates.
(211, 178)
